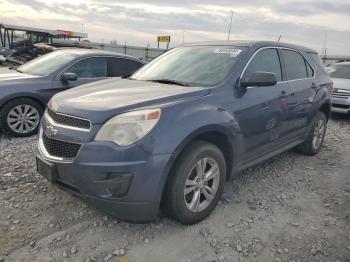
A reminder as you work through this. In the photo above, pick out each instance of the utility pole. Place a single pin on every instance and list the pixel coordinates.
(324, 45)
(229, 30)
(279, 38)
(183, 36)
(82, 28)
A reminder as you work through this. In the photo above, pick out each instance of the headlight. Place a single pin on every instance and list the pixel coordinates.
(128, 128)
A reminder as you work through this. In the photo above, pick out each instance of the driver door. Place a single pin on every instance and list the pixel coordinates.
(88, 70)
(263, 110)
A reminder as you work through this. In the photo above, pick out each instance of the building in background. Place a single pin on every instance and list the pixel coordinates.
(9, 34)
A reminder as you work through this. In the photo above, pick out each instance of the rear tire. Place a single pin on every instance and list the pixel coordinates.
(20, 117)
(313, 143)
(196, 183)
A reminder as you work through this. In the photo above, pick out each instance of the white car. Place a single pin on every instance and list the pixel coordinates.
(340, 74)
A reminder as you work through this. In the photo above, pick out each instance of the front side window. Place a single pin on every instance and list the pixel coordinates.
(90, 68)
(294, 64)
(266, 60)
(192, 65)
(340, 71)
(47, 64)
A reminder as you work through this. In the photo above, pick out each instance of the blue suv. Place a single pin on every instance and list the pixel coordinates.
(171, 133)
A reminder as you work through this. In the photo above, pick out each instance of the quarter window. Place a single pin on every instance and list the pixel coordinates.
(90, 68)
(266, 60)
(294, 64)
(310, 71)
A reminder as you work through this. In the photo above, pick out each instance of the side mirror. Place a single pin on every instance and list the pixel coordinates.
(259, 78)
(69, 76)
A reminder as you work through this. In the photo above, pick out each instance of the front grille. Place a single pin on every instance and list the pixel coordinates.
(68, 120)
(341, 94)
(58, 148)
(341, 106)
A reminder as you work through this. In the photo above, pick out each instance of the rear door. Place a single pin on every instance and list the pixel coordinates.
(118, 66)
(263, 111)
(88, 70)
(303, 86)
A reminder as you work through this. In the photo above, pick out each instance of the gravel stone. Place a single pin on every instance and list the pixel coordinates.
(108, 257)
(239, 248)
(73, 250)
(230, 224)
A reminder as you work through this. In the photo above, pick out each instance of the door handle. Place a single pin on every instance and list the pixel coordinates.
(313, 86)
(284, 94)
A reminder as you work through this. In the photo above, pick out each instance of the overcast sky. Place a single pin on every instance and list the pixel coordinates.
(139, 22)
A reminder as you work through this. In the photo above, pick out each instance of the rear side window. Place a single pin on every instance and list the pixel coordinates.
(295, 65)
(317, 59)
(90, 67)
(122, 67)
(266, 60)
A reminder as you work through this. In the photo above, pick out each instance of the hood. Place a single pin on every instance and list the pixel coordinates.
(8, 75)
(341, 83)
(101, 100)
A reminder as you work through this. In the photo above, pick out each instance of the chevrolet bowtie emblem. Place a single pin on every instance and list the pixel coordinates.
(50, 130)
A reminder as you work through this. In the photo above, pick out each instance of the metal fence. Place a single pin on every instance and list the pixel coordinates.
(144, 53)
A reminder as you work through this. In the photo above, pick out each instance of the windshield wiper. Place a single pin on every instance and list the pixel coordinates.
(15, 68)
(168, 81)
(128, 76)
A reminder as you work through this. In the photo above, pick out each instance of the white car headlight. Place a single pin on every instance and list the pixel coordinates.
(128, 128)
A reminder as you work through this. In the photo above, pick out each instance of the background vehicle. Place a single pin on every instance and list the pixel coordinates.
(25, 90)
(178, 127)
(340, 74)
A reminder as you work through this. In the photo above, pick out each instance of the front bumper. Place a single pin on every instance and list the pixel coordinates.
(341, 105)
(341, 99)
(124, 182)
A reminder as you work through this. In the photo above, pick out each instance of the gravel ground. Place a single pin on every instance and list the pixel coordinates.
(290, 208)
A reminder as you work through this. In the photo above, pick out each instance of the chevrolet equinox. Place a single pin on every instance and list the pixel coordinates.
(175, 130)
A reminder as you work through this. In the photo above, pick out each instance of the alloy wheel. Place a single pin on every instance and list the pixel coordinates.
(318, 134)
(23, 119)
(202, 184)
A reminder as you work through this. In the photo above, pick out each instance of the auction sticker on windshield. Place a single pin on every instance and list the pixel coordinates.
(231, 52)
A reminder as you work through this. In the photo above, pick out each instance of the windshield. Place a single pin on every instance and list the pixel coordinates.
(46, 64)
(340, 71)
(195, 65)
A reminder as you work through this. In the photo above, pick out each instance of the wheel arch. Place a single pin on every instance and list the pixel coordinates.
(326, 109)
(213, 134)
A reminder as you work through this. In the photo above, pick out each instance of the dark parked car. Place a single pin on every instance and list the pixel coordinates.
(175, 130)
(25, 90)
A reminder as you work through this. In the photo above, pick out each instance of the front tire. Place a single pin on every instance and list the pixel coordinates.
(313, 143)
(20, 117)
(196, 183)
